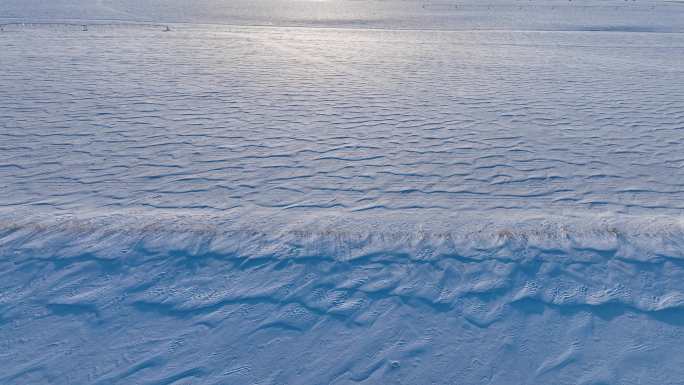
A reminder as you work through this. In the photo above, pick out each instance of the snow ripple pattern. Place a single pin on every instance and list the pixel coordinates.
(242, 205)
(344, 120)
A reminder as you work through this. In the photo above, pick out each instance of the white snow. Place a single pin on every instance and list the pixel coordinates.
(338, 192)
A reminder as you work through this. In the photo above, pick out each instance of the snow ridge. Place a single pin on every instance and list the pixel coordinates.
(560, 261)
(259, 277)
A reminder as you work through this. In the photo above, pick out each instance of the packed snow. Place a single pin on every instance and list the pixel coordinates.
(341, 192)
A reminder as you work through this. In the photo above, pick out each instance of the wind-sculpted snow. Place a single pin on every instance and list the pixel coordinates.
(313, 120)
(155, 297)
(252, 205)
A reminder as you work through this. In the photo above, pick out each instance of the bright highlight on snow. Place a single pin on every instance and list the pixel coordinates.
(341, 192)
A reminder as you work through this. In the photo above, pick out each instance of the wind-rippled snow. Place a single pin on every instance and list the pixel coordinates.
(237, 204)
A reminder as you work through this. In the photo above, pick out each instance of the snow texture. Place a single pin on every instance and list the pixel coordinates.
(341, 192)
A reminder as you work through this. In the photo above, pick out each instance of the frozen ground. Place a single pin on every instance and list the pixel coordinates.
(365, 192)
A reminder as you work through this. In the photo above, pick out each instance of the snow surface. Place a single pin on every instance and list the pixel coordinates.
(381, 192)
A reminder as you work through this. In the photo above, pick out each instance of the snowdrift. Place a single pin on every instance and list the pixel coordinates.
(192, 298)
